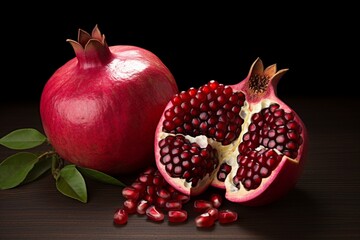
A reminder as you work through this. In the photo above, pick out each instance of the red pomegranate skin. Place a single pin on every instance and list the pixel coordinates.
(100, 109)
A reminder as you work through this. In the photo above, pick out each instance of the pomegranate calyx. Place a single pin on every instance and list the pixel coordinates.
(91, 50)
(261, 82)
(84, 37)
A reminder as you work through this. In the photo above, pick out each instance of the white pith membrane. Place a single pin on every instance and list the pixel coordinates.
(228, 154)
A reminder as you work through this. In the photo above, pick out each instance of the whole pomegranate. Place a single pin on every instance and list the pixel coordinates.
(242, 138)
(100, 109)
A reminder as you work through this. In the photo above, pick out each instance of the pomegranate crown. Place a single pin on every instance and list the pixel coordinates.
(91, 49)
(262, 81)
(85, 40)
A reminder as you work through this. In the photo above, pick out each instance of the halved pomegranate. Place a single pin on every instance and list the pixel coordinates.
(241, 138)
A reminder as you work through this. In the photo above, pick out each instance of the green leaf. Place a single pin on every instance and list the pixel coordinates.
(100, 176)
(14, 169)
(71, 183)
(41, 167)
(24, 138)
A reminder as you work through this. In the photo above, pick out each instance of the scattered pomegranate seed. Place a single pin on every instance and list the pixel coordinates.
(152, 196)
(130, 206)
(130, 193)
(177, 216)
(120, 217)
(227, 216)
(154, 214)
(216, 200)
(204, 220)
(142, 206)
(214, 213)
(202, 205)
(182, 197)
(173, 205)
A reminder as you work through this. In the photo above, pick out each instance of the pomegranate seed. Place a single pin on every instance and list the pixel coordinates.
(142, 206)
(200, 95)
(291, 145)
(279, 113)
(149, 198)
(160, 202)
(205, 89)
(145, 178)
(169, 125)
(149, 171)
(273, 107)
(177, 216)
(213, 84)
(236, 109)
(154, 214)
(120, 217)
(181, 197)
(271, 144)
(173, 205)
(130, 193)
(138, 186)
(130, 206)
(292, 125)
(289, 116)
(202, 205)
(271, 133)
(292, 135)
(158, 180)
(214, 213)
(216, 200)
(280, 139)
(204, 220)
(264, 172)
(150, 189)
(192, 91)
(184, 95)
(227, 216)
(176, 100)
(163, 193)
(194, 102)
(186, 106)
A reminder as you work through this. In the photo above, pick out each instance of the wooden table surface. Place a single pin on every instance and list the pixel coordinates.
(325, 204)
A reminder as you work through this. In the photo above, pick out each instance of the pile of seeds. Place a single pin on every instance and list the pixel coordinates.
(152, 196)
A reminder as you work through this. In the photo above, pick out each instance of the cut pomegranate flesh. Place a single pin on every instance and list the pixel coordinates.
(186, 160)
(213, 111)
(241, 137)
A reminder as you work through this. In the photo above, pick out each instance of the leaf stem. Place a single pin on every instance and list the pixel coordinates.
(47, 154)
(56, 165)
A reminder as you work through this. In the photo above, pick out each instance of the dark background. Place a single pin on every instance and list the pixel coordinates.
(197, 43)
(318, 43)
